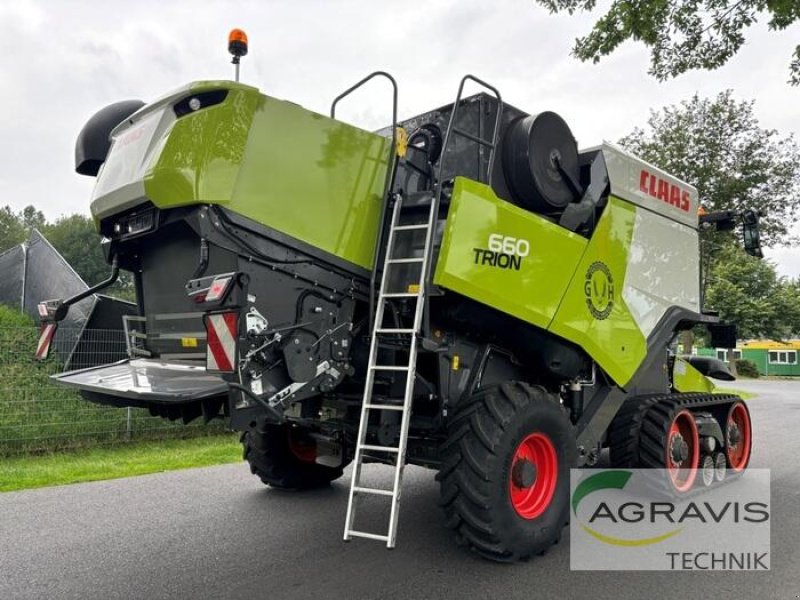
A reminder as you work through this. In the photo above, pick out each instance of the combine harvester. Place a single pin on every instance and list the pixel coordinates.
(465, 291)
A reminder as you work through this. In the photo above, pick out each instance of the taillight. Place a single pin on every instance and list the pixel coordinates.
(49, 313)
(219, 288)
(212, 289)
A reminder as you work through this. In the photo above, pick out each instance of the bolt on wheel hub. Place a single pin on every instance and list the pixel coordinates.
(523, 474)
(679, 449)
(738, 432)
(682, 451)
(533, 475)
(734, 435)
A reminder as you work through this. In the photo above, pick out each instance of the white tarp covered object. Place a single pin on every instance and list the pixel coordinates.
(34, 271)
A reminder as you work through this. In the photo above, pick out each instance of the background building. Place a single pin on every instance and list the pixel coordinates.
(771, 358)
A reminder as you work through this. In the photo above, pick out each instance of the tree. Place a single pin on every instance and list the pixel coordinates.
(15, 227)
(748, 292)
(32, 218)
(718, 146)
(76, 238)
(12, 231)
(682, 35)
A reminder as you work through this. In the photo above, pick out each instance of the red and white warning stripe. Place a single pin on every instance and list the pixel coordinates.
(46, 334)
(222, 330)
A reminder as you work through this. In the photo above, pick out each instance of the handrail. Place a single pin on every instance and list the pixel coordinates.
(451, 123)
(437, 196)
(390, 174)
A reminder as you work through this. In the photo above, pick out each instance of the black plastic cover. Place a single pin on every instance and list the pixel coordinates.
(711, 367)
(91, 147)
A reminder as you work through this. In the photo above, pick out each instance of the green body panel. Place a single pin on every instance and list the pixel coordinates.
(200, 156)
(531, 293)
(601, 323)
(550, 289)
(685, 378)
(303, 174)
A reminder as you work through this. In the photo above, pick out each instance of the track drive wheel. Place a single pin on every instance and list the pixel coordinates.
(669, 440)
(738, 436)
(505, 471)
(284, 457)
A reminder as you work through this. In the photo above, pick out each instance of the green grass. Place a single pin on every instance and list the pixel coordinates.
(741, 393)
(111, 462)
(10, 317)
(37, 415)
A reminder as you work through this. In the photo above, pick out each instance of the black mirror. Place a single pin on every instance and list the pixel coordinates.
(93, 141)
(750, 234)
(711, 367)
(722, 335)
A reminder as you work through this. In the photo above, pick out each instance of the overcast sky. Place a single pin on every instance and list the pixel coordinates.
(60, 61)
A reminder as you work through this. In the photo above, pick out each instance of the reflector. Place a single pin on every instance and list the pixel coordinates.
(222, 331)
(46, 334)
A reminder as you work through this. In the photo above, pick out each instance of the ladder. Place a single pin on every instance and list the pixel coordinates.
(382, 335)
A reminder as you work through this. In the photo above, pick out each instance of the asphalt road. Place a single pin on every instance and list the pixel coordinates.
(218, 533)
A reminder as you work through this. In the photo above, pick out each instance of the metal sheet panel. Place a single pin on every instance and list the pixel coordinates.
(646, 185)
(528, 282)
(12, 276)
(148, 380)
(663, 269)
(49, 275)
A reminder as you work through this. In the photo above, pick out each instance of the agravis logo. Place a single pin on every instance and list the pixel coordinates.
(624, 519)
(604, 481)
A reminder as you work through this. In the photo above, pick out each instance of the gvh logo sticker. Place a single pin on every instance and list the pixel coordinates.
(624, 520)
(599, 290)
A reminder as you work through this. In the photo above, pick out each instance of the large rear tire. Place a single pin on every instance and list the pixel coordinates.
(283, 457)
(505, 471)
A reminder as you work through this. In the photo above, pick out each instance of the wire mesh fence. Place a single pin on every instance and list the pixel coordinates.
(36, 414)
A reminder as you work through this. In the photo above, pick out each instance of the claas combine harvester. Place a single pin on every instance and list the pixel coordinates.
(464, 290)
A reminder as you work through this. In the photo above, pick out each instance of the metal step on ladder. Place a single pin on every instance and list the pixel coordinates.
(380, 335)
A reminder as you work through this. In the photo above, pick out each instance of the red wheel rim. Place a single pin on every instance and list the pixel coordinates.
(682, 473)
(739, 421)
(537, 450)
(304, 449)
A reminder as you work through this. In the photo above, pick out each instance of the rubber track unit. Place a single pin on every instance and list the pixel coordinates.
(272, 461)
(474, 479)
(637, 436)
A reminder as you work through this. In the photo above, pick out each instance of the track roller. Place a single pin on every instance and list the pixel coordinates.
(662, 432)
